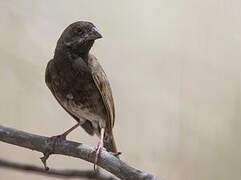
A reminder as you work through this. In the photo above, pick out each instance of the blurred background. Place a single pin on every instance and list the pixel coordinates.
(175, 71)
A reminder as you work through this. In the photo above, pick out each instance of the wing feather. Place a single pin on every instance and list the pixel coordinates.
(104, 88)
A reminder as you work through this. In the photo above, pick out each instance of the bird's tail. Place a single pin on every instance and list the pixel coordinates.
(109, 143)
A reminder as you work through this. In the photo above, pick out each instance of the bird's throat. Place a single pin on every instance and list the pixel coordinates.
(83, 50)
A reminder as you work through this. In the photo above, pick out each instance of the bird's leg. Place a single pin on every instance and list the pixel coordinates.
(100, 146)
(61, 137)
(52, 141)
(71, 129)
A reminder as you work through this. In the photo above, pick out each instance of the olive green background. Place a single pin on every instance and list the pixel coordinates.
(175, 71)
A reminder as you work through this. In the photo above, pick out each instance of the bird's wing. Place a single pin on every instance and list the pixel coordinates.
(104, 88)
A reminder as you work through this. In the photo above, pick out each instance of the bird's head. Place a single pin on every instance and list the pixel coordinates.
(80, 36)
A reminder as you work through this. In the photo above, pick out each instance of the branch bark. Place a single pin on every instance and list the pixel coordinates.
(69, 148)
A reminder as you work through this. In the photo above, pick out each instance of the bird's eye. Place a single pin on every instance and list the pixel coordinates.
(79, 30)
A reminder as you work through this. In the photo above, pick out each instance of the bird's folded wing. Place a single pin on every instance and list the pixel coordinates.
(104, 88)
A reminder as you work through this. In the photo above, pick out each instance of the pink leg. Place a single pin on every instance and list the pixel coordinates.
(71, 129)
(99, 146)
(61, 137)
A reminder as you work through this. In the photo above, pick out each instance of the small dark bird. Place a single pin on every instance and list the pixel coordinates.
(78, 82)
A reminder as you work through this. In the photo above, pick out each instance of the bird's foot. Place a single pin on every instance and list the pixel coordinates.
(97, 152)
(99, 147)
(54, 140)
(58, 139)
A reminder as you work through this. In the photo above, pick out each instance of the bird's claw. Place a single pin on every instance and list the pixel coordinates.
(97, 151)
(55, 140)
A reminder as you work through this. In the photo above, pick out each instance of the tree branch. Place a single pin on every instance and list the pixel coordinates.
(69, 148)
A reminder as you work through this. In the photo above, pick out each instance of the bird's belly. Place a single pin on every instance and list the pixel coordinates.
(80, 110)
(85, 104)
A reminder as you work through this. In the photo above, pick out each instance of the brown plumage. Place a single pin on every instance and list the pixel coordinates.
(78, 82)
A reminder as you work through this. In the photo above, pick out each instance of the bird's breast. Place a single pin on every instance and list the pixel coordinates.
(77, 93)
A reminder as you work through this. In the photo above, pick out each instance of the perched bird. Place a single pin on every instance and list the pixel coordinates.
(79, 84)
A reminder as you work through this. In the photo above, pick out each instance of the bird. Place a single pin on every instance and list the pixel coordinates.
(78, 82)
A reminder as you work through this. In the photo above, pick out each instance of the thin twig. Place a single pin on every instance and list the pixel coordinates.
(69, 148)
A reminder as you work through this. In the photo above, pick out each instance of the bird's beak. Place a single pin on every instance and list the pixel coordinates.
(94, 34)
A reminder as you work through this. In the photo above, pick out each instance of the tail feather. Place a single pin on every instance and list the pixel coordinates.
(109, 144)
